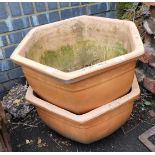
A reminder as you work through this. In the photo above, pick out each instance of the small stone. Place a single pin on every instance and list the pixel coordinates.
(27, 141)
(140, 75)
(152, 113)
(149, 84)
(149, 55)
(149, 25)
(39, 140)
(147, 38)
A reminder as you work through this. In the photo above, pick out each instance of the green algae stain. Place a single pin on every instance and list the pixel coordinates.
(61, 59)
(79, 55)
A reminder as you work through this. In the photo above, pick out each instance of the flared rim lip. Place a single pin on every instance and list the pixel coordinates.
(74, 76)
(83, 118)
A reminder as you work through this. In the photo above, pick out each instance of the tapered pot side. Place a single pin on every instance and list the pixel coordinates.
(90, 87)
(91, 126)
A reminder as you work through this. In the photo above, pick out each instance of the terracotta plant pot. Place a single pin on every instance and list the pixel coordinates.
(85, 89)
(149, 3)
(90, 126)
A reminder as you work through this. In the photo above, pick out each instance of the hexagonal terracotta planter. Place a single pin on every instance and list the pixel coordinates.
(85, 89)
(90, 126)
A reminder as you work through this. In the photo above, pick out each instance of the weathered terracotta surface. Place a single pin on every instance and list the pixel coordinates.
(82, 90)
(149, 3)
(91, 126)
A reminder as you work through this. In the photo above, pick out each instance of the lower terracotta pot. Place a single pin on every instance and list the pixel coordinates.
(91, 126)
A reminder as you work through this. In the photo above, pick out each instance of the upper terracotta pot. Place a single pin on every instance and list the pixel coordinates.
(88, 88)
(90, 126)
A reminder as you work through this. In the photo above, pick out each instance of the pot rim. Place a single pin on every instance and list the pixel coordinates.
(77, 75)
(135, 91)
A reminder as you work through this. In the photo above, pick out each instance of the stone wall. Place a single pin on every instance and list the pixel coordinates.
(16, 19)
(146, 64)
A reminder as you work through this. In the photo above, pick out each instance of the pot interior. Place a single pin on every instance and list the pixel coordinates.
(77, 44)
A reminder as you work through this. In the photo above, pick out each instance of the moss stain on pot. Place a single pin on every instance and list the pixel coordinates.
(69, 58)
